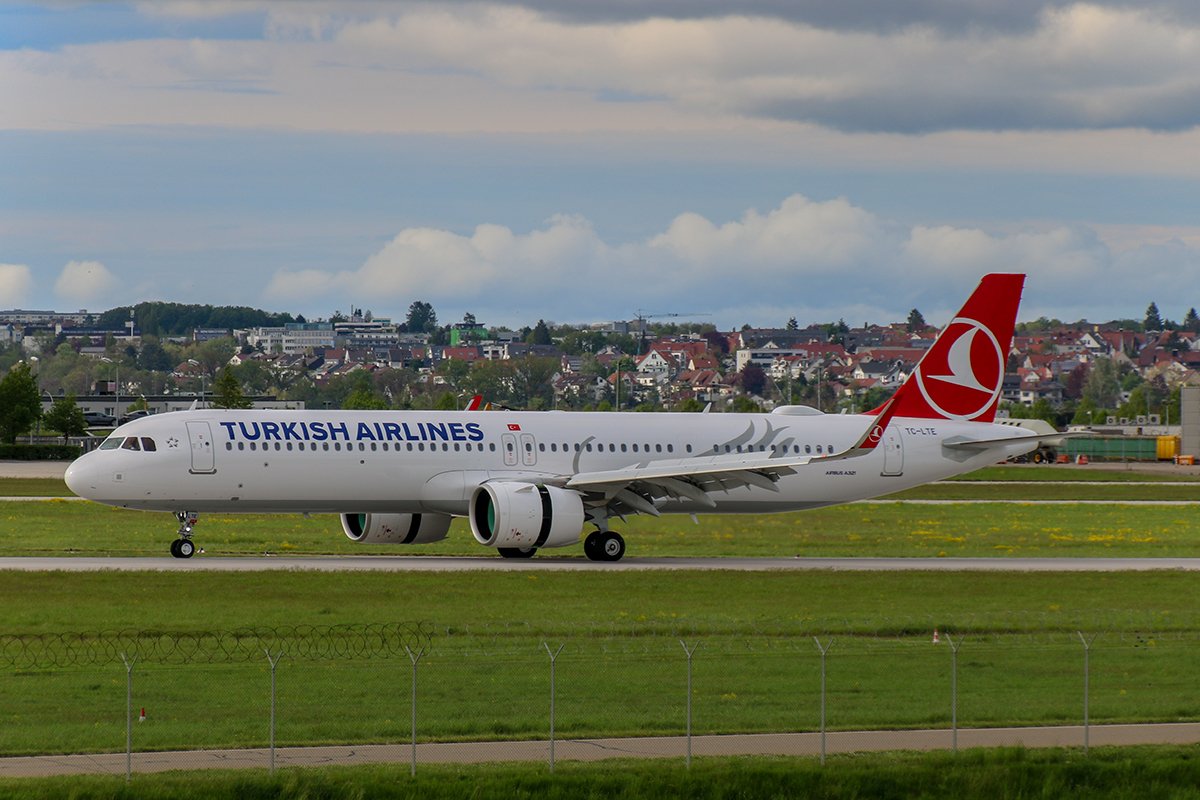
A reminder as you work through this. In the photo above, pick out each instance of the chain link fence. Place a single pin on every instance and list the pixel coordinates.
(398, 692)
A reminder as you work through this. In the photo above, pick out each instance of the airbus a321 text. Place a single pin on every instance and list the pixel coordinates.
(533, 480)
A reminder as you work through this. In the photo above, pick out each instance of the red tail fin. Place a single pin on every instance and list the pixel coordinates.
(962, 374)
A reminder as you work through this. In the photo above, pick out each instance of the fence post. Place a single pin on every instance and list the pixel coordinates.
(273, 662)
(553, 658)
(954, 688)
(824, 650)
(1087, 648)
(414, 658)
(128, 715)
(689, 698)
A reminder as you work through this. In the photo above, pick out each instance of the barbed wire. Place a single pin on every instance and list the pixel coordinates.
(666, 645)
(241, 645)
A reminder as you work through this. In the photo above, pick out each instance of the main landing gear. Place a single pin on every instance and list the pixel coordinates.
(604, 546)
(184, 547)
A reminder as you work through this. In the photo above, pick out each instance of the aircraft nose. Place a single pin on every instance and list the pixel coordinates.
(78, 477)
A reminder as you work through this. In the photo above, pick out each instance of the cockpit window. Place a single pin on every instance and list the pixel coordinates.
(148, 444)
(131, 444)
(112, 443)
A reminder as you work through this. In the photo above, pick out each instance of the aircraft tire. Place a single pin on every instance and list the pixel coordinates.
(592, 547)
(185, 548)
(612, 547)
(517, 552)
(175, 548)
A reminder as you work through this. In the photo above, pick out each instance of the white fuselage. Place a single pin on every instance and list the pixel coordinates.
(424, 462)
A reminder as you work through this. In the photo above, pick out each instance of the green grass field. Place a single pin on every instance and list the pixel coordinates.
(1107, 774)
(898, 530)
(622, 670)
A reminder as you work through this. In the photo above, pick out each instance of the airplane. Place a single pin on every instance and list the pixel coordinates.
(531, 480)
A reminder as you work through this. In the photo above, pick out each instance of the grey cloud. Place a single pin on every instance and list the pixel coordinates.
(878, 16)
(897, 109)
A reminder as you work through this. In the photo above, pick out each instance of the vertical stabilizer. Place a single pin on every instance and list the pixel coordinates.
(962, 374)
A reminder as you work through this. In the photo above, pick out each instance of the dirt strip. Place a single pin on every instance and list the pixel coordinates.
(777, 744)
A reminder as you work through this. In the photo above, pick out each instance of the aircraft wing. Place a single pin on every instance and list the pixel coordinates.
(638, 486)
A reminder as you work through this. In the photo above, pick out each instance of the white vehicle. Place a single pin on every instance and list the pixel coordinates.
(532, 480)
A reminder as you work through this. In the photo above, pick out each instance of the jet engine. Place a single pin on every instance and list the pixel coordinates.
(525, 515)
(396, 528)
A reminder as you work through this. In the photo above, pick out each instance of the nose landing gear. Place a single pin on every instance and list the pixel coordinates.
(184, 547)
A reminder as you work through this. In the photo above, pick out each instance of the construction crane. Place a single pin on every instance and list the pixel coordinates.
(643, 316)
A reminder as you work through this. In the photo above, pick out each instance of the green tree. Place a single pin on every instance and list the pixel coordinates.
(916, 322)
(1102, 387)
(744, 405)
(20, 405)
(792, 324)
(66, 417)
(540, 333)
(690, 405)
(421, 317)
(363, 400)
(1191, 322)
(227, 392)
(1153, 321)
(153, 356)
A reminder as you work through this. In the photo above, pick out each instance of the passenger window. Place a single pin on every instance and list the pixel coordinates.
(658, 448)
(818, 449)
(612, 448)
(808, 448)
(689, 448)
(624, 448)
(670, 448)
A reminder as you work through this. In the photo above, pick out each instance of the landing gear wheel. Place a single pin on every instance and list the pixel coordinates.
(185, 548)
(591, 546)
(516, 552)
(612, 546)
(175, 548)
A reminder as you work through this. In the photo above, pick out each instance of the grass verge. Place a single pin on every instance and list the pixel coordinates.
(622, 671)
(1009, 774)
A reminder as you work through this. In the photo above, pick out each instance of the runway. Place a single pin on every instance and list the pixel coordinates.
(201, 563)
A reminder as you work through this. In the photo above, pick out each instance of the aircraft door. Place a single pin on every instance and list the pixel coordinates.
(893, 453)
(508, 443)
(200, 437)
(528, 450)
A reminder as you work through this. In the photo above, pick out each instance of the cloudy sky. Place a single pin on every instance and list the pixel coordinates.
(581, 160)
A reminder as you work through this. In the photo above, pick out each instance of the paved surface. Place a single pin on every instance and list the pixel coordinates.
(33, 469)
(200, 563)
(783, 744)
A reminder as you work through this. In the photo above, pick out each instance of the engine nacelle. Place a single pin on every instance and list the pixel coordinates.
(525, 515)
(396, 528)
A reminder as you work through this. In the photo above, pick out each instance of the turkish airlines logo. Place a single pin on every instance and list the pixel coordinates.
(966, 381)
(876, 434)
